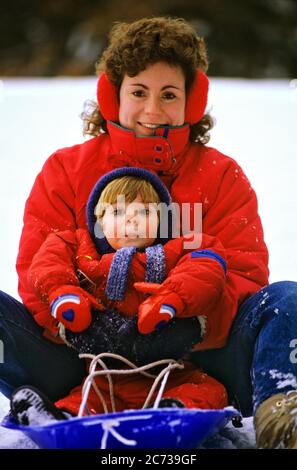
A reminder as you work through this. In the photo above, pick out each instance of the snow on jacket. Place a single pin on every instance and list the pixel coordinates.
(193, 173)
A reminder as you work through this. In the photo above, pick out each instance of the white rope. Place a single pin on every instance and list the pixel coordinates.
(155, 384)
(161, 390)
(89, 380)
(98, 360)
(87, 384)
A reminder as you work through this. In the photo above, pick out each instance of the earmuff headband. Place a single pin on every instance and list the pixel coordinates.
(107, 98)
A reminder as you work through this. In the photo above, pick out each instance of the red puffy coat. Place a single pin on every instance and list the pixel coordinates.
(198, 281)
(55, 264)
(193, 174)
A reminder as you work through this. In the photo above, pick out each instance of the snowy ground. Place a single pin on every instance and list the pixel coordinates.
(256, 125)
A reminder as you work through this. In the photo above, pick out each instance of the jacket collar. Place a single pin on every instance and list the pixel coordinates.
(163, 152)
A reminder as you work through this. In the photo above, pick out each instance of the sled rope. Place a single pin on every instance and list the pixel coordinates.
(169, 365)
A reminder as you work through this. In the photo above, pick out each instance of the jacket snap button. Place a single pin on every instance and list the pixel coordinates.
(159, 148)
(158, 160)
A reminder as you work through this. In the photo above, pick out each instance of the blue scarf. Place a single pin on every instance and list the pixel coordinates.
(118, 274)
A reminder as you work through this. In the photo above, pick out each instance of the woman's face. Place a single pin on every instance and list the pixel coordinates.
(155, 97)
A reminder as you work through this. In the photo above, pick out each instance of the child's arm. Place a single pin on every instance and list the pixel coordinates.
(194, 285)
(57, 260)
(52, 275)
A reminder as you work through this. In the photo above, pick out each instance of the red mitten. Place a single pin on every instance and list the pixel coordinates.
(158, 308)
(71, 306)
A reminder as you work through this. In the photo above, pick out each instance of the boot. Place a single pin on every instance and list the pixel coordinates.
(30, 407)
(170, 403)
(275, 422)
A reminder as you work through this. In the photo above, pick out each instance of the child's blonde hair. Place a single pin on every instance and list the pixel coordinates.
(129, 187)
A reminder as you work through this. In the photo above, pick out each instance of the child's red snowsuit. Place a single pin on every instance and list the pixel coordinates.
(191, 386)
(199, 281)
(54, 265)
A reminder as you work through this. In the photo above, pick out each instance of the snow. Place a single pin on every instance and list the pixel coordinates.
(285, 379)
(256, 123)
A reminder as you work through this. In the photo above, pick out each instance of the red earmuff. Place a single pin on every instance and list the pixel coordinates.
(107, 98)
(197, 98)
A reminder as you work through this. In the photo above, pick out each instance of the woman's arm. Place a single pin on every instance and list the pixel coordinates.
(48, 210)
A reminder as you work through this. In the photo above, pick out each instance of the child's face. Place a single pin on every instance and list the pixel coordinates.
(130, 224)
(154, 97)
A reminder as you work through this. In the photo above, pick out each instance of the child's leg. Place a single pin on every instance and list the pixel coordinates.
(199, 391)
(72, 402)
(190, 386)
(29, 406)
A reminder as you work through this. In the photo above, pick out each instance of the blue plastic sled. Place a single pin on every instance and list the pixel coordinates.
(166, 428)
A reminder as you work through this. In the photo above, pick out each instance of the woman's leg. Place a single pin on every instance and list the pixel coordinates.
(258, 360)
(27, 358)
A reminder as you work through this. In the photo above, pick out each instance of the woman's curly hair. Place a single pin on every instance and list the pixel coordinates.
(132, 47)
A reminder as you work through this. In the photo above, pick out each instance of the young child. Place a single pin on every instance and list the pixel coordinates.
(123, 249)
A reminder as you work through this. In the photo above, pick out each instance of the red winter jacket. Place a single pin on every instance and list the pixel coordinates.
(193, 173)
(199, 281)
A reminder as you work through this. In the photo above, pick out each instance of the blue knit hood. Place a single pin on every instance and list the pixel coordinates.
(95, 230)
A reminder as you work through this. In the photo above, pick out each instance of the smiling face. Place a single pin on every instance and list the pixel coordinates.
(155, 97)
